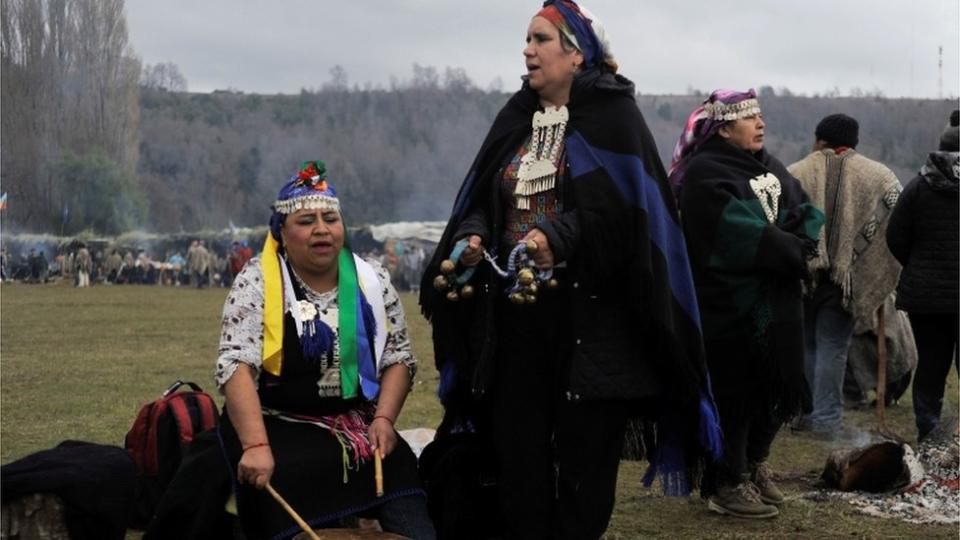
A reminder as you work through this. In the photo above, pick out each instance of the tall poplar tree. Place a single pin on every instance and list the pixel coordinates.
(68, 85)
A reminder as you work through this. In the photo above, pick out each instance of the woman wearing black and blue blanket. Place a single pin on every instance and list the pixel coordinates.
(750, 230)
(550, 374)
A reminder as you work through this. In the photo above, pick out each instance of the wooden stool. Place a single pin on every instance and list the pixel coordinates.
(37, 516)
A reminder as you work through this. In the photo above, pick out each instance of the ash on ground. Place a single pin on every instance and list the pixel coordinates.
(933, 494)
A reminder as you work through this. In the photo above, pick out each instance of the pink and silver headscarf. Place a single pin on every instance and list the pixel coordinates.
(703, 123)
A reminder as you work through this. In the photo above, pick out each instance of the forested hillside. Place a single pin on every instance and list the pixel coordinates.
(95, 141)
(207, 159)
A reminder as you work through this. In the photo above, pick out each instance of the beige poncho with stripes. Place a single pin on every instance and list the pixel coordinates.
(857, 196)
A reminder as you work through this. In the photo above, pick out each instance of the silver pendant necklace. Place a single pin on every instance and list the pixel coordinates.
(538, 167)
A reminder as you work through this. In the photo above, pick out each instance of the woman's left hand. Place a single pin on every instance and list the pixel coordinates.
(543, 256)
(382, 436)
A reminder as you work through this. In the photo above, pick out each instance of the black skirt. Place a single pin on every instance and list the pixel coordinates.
(309, 475)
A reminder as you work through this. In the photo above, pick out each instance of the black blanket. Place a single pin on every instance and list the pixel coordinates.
(748, 270)
(96, 482)
(631, 249)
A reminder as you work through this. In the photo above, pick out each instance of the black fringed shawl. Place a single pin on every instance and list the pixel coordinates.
(748, 272)
(631, 248)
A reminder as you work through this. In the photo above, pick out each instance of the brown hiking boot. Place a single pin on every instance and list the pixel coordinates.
(742, 500)
(762, 477)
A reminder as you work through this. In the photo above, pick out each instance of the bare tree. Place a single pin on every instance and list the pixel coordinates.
(163, 76)
(338, 79)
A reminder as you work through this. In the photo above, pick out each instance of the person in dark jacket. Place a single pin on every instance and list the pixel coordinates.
(550, 377)
(923, 236)
(750, 231)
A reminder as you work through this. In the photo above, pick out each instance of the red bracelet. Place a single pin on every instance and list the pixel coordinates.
(255, 445)
(387, 418)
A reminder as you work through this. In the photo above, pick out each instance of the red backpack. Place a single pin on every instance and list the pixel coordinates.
(159, 438)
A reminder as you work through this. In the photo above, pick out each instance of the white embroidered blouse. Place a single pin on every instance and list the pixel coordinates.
(241, 340)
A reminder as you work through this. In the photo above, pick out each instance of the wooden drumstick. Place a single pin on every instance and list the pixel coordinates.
(378, 471)
(293, 513)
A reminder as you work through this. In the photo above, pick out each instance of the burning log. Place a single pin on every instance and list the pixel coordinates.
(876, 468)
(921, 488)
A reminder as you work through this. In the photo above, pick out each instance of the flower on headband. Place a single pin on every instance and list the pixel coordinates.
(309, 174)
(313, 173)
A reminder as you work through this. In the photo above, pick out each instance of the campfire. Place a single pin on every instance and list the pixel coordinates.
(892, 480)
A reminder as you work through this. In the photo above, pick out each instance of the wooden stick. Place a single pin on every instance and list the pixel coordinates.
(378, 471)
(293, 513)
(884, 430)
(881, 368)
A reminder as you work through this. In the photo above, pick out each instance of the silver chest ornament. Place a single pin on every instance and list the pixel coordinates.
(538, 167)
(767, 189)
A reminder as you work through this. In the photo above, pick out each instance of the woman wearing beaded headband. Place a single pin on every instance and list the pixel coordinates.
(750, 232)
(570, 165)
(315, 365)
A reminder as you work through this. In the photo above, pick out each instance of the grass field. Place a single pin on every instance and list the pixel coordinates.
(79, 363)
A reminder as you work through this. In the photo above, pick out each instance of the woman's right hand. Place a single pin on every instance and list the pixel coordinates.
(473, 253)
(256, 467)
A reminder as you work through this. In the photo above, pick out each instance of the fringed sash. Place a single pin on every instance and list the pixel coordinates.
(349, 428)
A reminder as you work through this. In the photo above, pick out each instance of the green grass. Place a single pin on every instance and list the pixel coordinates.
(79, 363)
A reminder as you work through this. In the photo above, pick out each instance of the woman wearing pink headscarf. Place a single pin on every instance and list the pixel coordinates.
(750, 231)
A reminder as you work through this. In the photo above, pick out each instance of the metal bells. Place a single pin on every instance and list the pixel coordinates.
(530, 281)
(527, 280)
(454, 286)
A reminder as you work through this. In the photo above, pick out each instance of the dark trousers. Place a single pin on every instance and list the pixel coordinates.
(558, 458)
(936, 338)
(749, 429)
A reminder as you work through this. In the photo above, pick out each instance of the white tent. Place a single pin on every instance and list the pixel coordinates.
(430, 231)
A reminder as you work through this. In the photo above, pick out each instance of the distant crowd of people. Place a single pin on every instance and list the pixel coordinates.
(201, 266)
(30, 267)
(405, 260)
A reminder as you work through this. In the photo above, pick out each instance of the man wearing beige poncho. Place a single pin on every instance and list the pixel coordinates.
(854, 271)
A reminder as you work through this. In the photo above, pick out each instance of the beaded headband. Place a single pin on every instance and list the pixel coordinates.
(717, 110)
(309, 190)
(705, 121)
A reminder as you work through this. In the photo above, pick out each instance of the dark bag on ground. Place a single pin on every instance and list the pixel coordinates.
(159, 438)
(86, 488)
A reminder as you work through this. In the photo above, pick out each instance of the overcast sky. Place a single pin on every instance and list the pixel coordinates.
(664, 46)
